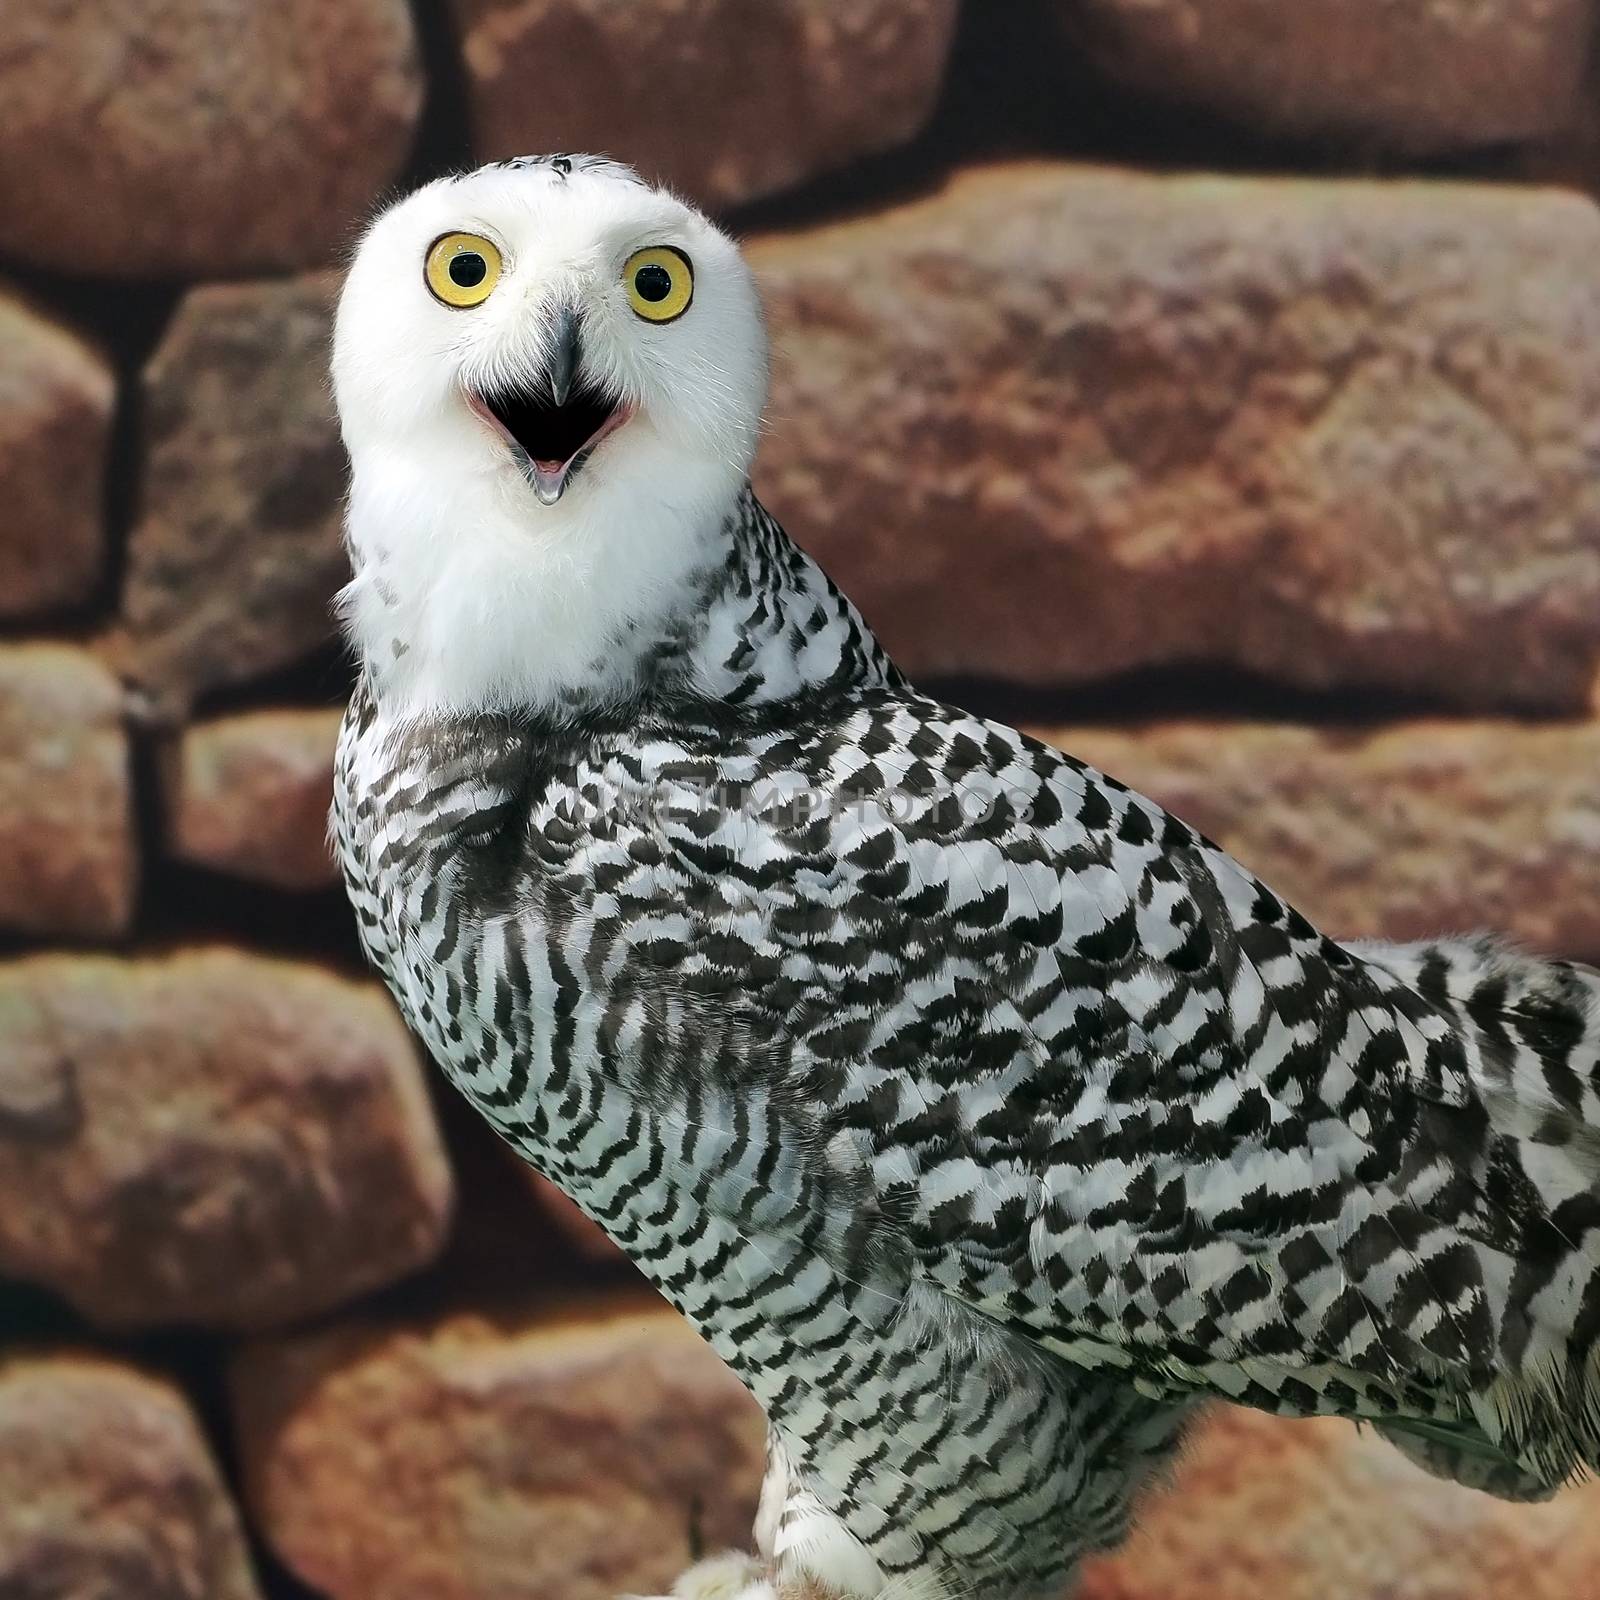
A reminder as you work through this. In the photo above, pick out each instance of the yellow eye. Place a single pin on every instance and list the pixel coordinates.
(462, 269)
(660, 283)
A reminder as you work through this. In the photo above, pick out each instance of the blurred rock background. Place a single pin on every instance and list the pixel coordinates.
(1212, 384)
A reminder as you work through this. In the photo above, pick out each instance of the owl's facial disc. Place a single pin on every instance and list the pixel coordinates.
(543, 330)
(553, 425)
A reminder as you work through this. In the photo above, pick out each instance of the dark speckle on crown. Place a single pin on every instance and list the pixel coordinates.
(562, 166)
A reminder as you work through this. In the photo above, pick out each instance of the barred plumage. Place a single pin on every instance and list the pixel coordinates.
(982, 1116)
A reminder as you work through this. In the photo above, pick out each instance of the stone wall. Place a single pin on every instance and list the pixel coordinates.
(1213, 384)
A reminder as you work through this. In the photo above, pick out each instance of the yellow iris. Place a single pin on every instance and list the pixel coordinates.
(660, 283)
(462, 269)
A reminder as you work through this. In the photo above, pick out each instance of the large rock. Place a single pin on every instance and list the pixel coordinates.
(249, 795)
(67, 844)
(1316, 1510)
(723, 99)
(572, 1452)
(1405, 831)
(235, 556)
(1415, 77)
(56, 400)
(1571, 156)
(179, 138)
(210, 1138)
(1054, 423)
(108, 1491)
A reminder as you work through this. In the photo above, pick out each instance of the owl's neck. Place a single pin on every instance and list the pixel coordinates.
(770, 626)
(461, 607)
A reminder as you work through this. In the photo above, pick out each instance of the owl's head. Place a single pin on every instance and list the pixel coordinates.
(549, 378)
(554, 319)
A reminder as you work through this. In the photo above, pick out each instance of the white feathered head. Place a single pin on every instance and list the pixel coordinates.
(553, 314)
(550, 379)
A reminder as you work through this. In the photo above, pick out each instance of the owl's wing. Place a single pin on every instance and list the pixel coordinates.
(1119, 1096)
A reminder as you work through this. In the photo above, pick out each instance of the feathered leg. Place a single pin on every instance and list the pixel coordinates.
(725, 1577)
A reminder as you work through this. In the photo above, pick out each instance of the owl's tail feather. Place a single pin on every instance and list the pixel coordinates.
(1531, 1031)
(1466, 1456)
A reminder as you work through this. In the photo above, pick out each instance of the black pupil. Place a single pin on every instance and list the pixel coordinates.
(653, 283)
(468, 269)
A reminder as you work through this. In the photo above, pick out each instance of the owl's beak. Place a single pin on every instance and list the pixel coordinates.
(565, 351)
(553, 427)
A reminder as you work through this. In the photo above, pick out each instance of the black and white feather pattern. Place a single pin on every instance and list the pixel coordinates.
(983, 1116)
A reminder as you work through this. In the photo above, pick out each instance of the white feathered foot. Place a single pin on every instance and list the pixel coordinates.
(725, 1577)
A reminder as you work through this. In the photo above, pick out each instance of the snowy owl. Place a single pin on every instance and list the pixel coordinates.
(982, 1116)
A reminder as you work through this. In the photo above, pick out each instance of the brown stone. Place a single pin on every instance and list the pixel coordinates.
(210, 1138)
(235, 557)
(56, 400)
(1401, 832)
(68, 855)
(1571, 156)
(1314, 1510)
(1421, 78)
(1054, 423)
(108, 1491)
(722, 99)
(249, 795)
(573, 1451)
(180, 138)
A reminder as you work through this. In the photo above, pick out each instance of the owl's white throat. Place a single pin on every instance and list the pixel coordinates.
(471, 593)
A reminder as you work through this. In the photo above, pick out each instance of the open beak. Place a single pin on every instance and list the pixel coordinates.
(554, 426)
